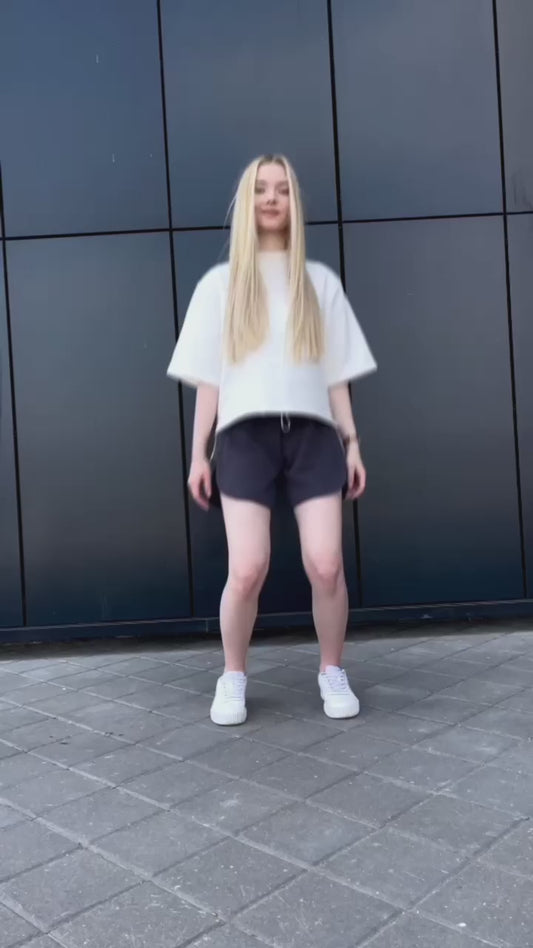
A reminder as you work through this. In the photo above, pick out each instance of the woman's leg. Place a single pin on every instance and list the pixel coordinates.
(320, 525)
(248, 537)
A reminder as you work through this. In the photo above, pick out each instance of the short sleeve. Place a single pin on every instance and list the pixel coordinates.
(197, 357)
(348, 355)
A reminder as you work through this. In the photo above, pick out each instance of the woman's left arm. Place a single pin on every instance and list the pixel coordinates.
(341, 408)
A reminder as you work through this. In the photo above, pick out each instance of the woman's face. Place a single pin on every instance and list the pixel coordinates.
(272, 213)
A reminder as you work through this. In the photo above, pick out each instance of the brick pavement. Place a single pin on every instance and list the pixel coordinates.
(127, 819)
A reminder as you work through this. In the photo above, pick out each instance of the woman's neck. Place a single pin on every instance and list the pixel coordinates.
(272, 242)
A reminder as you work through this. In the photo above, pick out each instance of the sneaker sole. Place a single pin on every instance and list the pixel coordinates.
(339, 714)
(228, 720)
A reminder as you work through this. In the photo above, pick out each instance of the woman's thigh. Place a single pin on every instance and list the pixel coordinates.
(248, 535)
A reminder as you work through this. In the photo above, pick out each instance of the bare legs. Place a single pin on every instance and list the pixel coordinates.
(320, 525)
(248, 537)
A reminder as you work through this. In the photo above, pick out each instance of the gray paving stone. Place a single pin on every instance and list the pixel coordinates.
(200, 682)
(144, 917)
(63, 704)
(18, 717)
(190, 740)
(503, 721)
(368, 798)
(463, 742)
(514, 851)
(313, 912)
(60, 786)
(12, 682)
(413, 931)
(6, 750)
(99, 813)
(394, 867)
(74, 750)
(240, 758)
(228, 876)
(78, 680)
(388, 698)
(27, 696)
(299, 775)
(521, 701)
(482, 692)
(159, 842)
(9, 816)
(508, 673)
(189, 708)
(305, 833)
(151, 698)
(122, 763)
(519, 758)
(175, 783)
(464, 827)
(18, 767)
(494, 787)
(234, 805)
(44, 941)
(29, 844)
(48, 730)
(489, 903)
(47, 671)
(227, 937)
(427, 680)
(134, 665)
(456, 667)
(168, 673)
(53, 892)
(117, 687)
(294, 734)
(121, 721)
(422, 769)
(398, 727)
(441, 708)
(13, 928)
(356, 749)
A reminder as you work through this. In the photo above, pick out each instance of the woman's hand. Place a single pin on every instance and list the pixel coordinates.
(356, 472)
(199, 482)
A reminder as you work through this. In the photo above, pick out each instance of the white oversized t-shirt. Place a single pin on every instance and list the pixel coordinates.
(268, 381)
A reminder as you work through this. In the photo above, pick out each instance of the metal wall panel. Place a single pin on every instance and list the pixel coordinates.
(439, 522)
(417, 107)
(245, 77)
(521, 273)
(82, 124)
(10, 580)
(98, 429)
(286, 589)
(515, 34)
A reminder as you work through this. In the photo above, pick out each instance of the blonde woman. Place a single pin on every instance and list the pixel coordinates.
(270, 343)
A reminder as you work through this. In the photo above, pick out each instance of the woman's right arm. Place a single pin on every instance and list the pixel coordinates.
(205, 414)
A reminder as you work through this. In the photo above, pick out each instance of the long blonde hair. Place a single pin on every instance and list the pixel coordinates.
(246, 324)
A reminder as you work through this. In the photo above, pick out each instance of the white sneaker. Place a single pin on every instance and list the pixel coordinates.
(229, 703)
(339, 699)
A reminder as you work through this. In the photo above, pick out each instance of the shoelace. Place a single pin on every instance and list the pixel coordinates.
(234, 687)
(337, 681)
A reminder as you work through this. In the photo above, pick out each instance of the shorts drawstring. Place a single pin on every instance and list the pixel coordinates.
(285, 424)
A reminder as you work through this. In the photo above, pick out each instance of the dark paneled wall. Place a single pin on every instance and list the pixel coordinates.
(124, 126)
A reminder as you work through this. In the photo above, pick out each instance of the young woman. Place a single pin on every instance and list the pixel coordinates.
(270, 343)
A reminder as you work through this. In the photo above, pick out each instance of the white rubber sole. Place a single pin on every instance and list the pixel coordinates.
(350, 711)
(228, 718)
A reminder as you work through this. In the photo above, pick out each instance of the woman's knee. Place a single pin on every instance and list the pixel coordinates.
(247, 578)
(324, 570)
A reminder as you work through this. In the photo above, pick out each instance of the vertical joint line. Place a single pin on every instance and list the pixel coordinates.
(11, 370)
(509, 303)
(181, 413)
(358, 565)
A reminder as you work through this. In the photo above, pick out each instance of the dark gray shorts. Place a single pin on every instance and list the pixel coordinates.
(258, 457)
